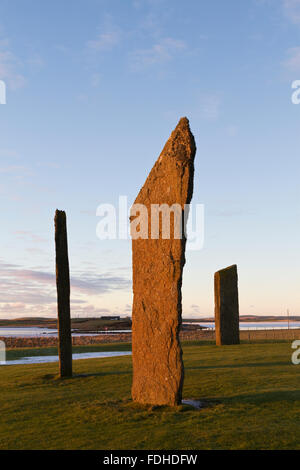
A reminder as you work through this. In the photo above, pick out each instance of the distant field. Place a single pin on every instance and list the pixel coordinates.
(251, 392)
(82, 324)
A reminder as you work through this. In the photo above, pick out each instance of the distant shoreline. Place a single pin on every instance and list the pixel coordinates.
(95, 324)
(248, 319)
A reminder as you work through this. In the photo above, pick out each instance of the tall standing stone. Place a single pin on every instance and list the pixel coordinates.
(157, 275)
(227, 306)
(63, 295)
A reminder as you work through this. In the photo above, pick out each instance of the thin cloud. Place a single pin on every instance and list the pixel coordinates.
(209, 107)
(100, 284)
(85, 283)
(95, 79)
(90, 310)
(29, 236)
(292, 10)
(161, 52)
(292, 63)
(193, 311)
(232, 130)
(36, 290)
(17, 309)
(141, 3)
(235, 212)
(36, 251)
(195, 308)
(9, 65)
(201, 106)
(11, 169)
(87, 212)
(109, 37)
(104, 41)
(14, 310)
(8, 153)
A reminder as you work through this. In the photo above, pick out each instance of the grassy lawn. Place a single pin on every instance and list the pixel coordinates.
(251, 391)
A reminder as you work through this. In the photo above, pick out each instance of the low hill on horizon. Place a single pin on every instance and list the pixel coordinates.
(94, 323)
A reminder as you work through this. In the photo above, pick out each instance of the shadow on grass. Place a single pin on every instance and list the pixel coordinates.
(238, 366)
(264, 397)
(84, 376)
(102, 374)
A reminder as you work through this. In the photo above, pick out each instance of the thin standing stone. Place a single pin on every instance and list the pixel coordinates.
(63, 295)
(227, 306)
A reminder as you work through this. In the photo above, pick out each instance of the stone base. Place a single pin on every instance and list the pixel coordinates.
(195, 403)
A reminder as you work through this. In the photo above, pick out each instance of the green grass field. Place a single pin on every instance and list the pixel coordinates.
(251, 391)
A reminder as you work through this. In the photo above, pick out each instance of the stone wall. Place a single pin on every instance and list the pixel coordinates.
(198, 335)
(48, 342)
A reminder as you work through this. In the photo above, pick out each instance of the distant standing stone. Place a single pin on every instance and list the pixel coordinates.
(227, 306)
(63, 295)
(157, 277)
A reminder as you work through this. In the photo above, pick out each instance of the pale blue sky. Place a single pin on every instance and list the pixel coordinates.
(94, 88)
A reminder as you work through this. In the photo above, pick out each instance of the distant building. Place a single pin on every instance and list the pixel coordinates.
(110, 318)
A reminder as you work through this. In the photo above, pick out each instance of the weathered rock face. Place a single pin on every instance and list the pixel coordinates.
(157, 275)
(227, 306)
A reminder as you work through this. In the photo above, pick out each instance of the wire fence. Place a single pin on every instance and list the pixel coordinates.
(271, 334)
(275, 334)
